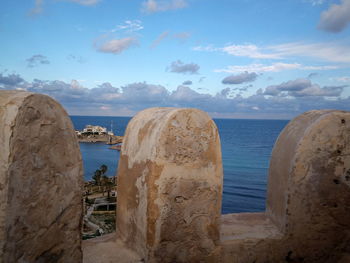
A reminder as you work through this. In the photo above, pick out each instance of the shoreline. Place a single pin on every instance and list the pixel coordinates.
(108, 139)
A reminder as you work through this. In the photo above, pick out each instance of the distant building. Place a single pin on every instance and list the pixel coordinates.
(94, 130)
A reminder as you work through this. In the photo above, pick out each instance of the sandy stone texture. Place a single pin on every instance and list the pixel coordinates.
(170, 186)
(40, 181)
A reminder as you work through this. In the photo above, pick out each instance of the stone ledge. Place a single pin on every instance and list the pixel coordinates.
(247, 226)
(107, 249)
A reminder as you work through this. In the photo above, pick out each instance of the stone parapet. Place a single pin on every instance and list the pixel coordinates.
(170, 190)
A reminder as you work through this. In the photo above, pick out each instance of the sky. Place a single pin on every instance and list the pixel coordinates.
(268, 59)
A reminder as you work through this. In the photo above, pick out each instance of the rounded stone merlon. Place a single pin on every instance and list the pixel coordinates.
(170, 185)
(40, 181)
(308, 190)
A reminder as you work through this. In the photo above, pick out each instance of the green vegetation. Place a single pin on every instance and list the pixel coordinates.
(99, 220)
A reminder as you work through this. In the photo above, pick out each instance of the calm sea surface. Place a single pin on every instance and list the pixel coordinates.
(246, 149)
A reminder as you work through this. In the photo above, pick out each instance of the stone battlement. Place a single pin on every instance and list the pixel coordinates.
(169, 190)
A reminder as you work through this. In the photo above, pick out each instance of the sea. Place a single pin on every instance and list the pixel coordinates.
(246, 150)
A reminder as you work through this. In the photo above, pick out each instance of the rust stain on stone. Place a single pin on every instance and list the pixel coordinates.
(152, 195)
(126, 182)
(128, 199)
(144, 131)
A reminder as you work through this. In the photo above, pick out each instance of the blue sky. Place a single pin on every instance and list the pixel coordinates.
(233, 59)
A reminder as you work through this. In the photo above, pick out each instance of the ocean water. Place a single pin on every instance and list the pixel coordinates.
(246, 150)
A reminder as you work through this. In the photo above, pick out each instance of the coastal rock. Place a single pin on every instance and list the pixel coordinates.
(108, 139)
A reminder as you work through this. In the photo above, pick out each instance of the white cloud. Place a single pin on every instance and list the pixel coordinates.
(250, 51)
(153, 6)
(332, 51)
(208, 48)
(275, 67)
(129, 26)
(336, 18)
(116, 46)
(327, 67)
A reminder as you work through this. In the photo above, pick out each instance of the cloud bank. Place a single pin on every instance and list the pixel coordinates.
(303, 88)
(284, 100)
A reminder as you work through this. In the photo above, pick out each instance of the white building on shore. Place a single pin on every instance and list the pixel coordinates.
(94, 130)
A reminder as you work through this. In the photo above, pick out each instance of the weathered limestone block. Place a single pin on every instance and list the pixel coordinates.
(309, 185)
(170, 186)
(307, 216)
(40, 181)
